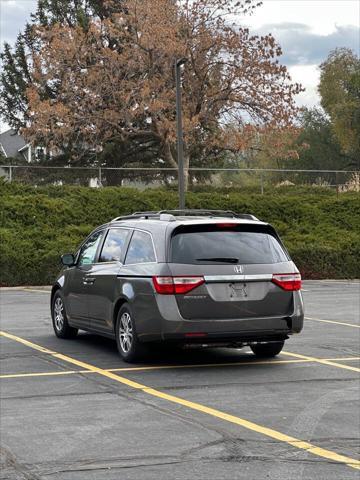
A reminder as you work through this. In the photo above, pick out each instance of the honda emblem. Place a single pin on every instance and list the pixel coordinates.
(239, 269)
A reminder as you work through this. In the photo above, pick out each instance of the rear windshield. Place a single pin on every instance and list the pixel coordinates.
(216, 244)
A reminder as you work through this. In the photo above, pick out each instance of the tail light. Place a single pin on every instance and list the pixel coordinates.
(164, 285)
(176, 285)
(287, 281)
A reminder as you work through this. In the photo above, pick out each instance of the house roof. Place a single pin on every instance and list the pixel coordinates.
(12, 143)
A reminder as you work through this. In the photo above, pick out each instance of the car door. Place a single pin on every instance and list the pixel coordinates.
(78, 281)
(103, 279)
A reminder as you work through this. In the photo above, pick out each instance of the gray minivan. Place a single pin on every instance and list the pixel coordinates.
(181, 276)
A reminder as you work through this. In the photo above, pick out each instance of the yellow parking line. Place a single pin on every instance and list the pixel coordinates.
(268, 432)
(322, 361)
(342, 359)
(151, 367)
(230, 364)
(41, 374)
(203, 365)
(333, 321)
(172, 367)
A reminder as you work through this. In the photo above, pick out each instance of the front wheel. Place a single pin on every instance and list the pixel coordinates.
(129, 346)
(60, 322)
(269, 350)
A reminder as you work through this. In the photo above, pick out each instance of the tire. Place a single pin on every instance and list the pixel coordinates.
(128, 344)
(60, 322)
(268, 350)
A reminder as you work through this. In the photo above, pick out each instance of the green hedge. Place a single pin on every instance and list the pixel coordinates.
(320, 229)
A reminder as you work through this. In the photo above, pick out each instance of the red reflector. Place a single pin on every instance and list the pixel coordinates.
(176, 285)
(287, 281)
(195, 334)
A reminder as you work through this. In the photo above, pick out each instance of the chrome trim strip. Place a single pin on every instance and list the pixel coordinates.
(237, 278)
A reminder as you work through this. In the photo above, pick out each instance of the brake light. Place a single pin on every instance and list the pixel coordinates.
(176, 285)
(195, 335)
(287, 281)
(226, 225)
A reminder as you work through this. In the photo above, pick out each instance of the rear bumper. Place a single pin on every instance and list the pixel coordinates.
(175, 327)
(225, 339)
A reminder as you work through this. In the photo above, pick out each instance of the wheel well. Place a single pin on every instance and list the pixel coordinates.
(53, 291)
(117, 307)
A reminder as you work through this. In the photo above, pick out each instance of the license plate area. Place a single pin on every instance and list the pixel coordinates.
(238, 291)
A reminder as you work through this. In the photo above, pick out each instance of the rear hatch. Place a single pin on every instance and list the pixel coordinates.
(231, 266)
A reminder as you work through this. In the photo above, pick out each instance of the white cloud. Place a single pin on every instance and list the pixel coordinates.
(307, 30)
(13, 16)
(309, 77)
(301, 46)
(322, 16)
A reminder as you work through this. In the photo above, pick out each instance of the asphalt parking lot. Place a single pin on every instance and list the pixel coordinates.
(71, 409)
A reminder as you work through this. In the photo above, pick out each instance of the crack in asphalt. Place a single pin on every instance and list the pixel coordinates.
(54, 468)
(9, 460)
(56, 395)
(253, 384)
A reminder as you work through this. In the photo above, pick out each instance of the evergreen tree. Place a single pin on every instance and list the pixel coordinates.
(14, 80)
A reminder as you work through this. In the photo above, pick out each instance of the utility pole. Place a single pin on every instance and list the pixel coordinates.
(179, 131)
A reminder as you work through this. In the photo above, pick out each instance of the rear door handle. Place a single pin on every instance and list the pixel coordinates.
(89, 281)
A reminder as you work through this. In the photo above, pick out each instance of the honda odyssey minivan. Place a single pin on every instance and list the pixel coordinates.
(212, 278)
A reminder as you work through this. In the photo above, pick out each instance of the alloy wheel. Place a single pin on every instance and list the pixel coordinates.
(125, 332)
(59, 314)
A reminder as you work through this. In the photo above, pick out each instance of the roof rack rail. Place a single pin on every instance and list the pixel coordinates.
(209, 213)
(135, 215)
(169, 215)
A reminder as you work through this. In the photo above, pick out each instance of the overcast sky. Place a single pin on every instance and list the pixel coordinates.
(306, 29)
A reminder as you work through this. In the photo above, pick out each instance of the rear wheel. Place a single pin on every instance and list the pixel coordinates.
(60, 322)
(267, 349)
(129, 346)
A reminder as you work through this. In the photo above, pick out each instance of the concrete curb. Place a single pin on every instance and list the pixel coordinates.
(45, 288)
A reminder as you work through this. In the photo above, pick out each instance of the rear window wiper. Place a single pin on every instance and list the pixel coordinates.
(219, 259)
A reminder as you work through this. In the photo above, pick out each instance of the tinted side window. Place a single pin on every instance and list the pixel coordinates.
(88, 250)
(113, 247)
(141, 249)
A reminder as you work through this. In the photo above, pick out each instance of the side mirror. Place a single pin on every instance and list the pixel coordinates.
(68, 259)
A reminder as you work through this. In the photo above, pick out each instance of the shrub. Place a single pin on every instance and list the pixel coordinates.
(321, 231)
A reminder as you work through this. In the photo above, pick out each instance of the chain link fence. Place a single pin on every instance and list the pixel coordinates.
(261, 180)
